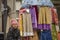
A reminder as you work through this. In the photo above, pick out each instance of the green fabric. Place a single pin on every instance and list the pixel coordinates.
(54, 32)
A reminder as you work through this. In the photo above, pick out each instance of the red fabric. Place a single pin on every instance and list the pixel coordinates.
(58, 36)
(54, 16)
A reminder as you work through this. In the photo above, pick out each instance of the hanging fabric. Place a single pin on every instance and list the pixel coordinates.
(54, 32)
(25, 23)
(44, 18)
(29, 25)
(45, 35)
(20, 24)
(48, 17)
(40, 18)
(58, 36)
(37, 2)
(33, 16)
(54, 16)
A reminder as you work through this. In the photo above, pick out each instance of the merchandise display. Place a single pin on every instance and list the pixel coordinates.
(38, 15)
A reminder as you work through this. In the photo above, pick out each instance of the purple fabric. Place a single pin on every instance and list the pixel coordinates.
(40, 26)
(48, 27)
(33, 16)
(44, 26)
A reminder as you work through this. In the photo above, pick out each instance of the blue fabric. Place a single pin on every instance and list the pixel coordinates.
(45, 35)
(38, 2)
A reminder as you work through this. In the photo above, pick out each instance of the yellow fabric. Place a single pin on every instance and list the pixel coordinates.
(43, 15)
(29, 25)
(24, 25)
(48, 15)
(40, 16)
(20, 24)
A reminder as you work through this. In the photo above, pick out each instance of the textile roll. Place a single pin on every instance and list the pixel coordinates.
(40, 18)
(54, 32)
(20, 24)
(33, 17)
